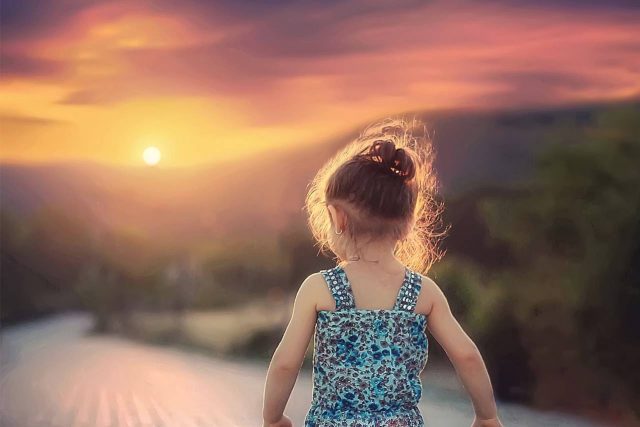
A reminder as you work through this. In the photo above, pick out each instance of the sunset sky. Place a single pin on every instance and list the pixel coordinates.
(206, 81)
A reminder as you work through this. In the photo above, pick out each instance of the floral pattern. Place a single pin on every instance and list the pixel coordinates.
(367, 363)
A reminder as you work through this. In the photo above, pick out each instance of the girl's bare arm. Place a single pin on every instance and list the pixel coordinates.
(289, 355)
(464, 355)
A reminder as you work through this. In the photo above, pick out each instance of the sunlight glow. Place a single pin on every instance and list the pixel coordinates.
(151, 156)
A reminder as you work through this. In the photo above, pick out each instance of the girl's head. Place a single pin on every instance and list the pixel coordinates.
(379, 188)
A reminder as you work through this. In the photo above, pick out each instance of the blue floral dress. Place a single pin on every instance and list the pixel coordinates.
(367, 362)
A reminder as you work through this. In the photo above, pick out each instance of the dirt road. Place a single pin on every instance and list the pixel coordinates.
(53, 373)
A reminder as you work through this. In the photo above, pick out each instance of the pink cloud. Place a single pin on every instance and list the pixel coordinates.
(292, 62)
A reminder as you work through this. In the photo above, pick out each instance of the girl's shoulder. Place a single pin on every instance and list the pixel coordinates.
(315, 287)
(430, 294)
(315, 282)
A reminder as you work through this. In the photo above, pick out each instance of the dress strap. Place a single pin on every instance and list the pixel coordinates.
(409, 291)
(338, 284)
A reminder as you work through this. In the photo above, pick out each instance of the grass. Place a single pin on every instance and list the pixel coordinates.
(251, 330)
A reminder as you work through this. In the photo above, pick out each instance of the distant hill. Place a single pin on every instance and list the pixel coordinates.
(265, 193)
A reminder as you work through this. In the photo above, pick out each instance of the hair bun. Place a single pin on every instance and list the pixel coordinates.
(395, 161)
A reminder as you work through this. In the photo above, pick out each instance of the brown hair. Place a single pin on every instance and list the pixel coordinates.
(384, 181)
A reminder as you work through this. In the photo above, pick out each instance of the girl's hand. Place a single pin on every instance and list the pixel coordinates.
(491, 422)
(284, 421)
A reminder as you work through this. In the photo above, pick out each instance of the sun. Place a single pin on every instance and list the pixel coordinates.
(151, 156)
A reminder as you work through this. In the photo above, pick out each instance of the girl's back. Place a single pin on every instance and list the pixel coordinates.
(373, 206)
(367, 362)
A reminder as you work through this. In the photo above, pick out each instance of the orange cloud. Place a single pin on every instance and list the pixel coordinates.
(216, 81)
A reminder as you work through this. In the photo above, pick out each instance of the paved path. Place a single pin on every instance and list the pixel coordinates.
(53, 374)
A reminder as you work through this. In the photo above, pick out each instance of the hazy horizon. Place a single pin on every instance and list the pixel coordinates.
(341, 137)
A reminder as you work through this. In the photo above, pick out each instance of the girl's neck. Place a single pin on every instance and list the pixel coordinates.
(375, 254)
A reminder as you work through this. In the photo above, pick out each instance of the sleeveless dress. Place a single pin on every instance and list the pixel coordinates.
(367, 362)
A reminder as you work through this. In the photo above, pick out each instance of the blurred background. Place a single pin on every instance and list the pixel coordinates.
(155, 157)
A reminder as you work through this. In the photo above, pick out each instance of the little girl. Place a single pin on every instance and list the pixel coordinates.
(373, 206)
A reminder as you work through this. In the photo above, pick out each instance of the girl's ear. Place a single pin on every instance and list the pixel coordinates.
(338, 218)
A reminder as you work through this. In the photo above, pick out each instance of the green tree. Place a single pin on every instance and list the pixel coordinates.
(576, 236)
